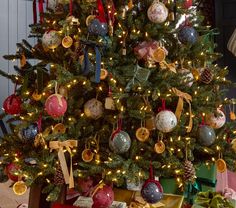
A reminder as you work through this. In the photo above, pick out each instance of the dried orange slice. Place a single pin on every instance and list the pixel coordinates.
(67, 41)
(159, 54)
(19, 188)
(103, 74)
(142, 134)
(221, 165)
(87, 155)
(59, 129)
(36, 96)
(159, 147)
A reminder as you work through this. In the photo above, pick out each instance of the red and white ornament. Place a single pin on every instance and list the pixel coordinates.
(216, 121)
(103, 196)
(51, 39)
(12, 171)
(12, 105)
(157, 12)
(56, 105)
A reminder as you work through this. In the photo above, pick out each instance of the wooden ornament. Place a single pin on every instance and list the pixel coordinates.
(67, 42)
(221, 165)
(232, 116)
(110, 104)
(87, 155)
(159, 147)
(59, 129)
(142, 134)
(19, 188)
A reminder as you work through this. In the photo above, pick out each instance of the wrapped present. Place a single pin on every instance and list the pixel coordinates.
(86, 202)
(169, 185)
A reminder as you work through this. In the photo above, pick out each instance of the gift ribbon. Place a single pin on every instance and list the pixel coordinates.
(165, 65)
(188, 98)
(60, 146)
(87, 63)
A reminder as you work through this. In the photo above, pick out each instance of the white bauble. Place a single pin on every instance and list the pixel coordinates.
(93, 109)
(157, 12)
(51, 39)
(187, 77)
(52, 4)
(166, 121)
(216, 121)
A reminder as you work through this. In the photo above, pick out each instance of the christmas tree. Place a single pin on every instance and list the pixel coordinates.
(117, 84)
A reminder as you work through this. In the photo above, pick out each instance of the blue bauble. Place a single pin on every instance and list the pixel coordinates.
(152, 192)
(30, 132)
(98, 28)
(206, 135)
(187, 35)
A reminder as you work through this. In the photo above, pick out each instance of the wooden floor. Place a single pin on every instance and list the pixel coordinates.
(8, 199)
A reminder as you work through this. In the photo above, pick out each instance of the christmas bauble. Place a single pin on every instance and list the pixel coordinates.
(51, 39)
(30, 132)
(188, 4)
(103, 196)
(166, 121)
(152, 191)
(187, 77)
(93, 109)
(157, 12)
(206, 135)
(56, 105)
(19, 188)
(96, 27)
(120, 142)
(216, 121)
(52, 4)
(12, 171)
(187, 35)
(85, 185)
(12, 105)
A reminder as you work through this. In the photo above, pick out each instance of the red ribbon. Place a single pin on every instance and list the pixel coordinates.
(203, 121)
(111, 11)
(71, 7)
(163, 107)
(40, 5)
(110, 92)
(101, 12)
(40, 123)
(119, 127)
(34, 12)
(151, 171)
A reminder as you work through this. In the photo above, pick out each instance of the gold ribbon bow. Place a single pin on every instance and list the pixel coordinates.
(188, 98)
(57, 145)
(165, 65)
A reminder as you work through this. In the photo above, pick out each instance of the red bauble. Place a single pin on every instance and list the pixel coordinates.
(56, 105)
(11, 170)
(103, 196)
(85, 186)
(62, 206)
(188, 4)
(12, 105)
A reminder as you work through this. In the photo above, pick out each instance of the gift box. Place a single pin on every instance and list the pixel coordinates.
(169, 185)
(87, 202)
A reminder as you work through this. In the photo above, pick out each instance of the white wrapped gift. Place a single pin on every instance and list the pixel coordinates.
(87, 202)
(232, 43)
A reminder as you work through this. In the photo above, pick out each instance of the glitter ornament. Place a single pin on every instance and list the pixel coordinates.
(93, 109)
(166, 121)
(12, 105)
(56, 105)
(19, 188)
(120, 142)
(152, 191)
(157, 12)
(30, 132)
(96, 27)
(51, 39)
(216, 121)
(187, 35)
(206, 135)
(103, 196)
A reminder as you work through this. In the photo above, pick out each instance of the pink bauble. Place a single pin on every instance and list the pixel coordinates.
(188, 4)
(157, 12)
(216, 121)
(103, 197)
(56, 105)
(12, 105)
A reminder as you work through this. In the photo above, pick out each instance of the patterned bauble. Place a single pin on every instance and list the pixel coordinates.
(12, 105)
(103, 196)
(187, 77)
(120, 142)
(12, 171)
(152, 191)
(56, 105)
(19, 188)
(29, 133)
(93, 109)
(189, 171)
(216, 121)
(51, 39)
(96, 27)
(157, 12)
(206, 135)
(206, 75)
(187, 35)
(166, 121)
